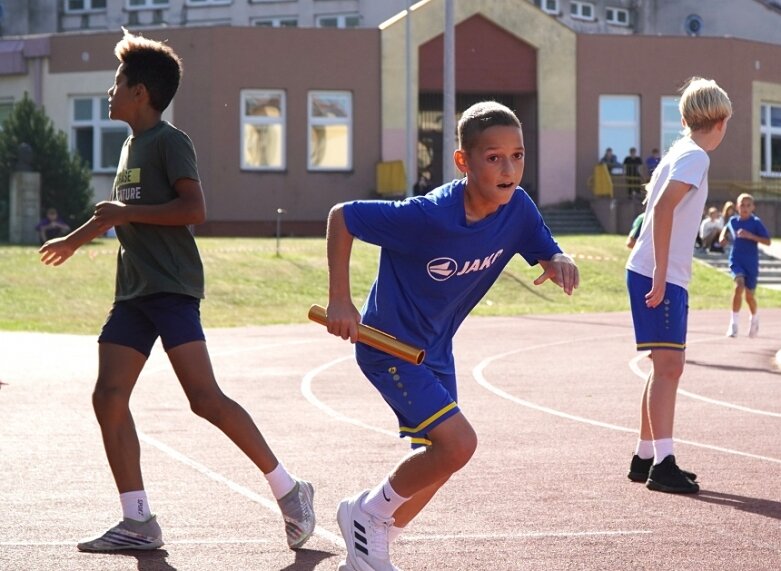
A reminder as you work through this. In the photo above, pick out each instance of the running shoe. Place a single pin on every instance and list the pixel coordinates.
(127, 534)
(298, 512)
(640, 467)
(732, 330)
(365, 536)
(753, 328)
(667, 477)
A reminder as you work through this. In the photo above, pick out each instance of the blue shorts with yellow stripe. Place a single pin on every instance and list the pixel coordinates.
(421, 398)
(661, 327)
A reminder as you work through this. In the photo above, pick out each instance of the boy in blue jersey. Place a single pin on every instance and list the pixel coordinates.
(658, 273)
(746, 231)
(160, 282)
(440, 253)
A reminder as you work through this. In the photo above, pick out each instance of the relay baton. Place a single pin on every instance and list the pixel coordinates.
(376, 338)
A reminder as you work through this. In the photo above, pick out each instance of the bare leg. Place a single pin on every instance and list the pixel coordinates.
(194, 370)
(118, 370)
(737, 297)
(662, 391)
(751, 301)
(645, 422)
(413, 506)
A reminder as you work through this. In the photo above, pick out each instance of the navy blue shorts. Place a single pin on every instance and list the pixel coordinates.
(748, 272)
(420, 398)
(137, 323)
(664, 326)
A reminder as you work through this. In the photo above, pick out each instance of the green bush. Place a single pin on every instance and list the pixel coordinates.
(65, 178)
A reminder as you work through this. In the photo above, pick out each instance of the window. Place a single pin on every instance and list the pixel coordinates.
(619, 124)
(282, 22)
(671, 122)
(84, 5)
(339, 21)
(132, 4)
(95, 137)
(6, 106)
(330, 130)
(581, 10)
(207, 2)
(770, 140)
(548, 6)
(617, 16)
(263, 130)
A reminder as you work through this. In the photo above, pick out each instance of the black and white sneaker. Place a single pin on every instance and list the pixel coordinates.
(668, 477)
(365, 536)
(640, 467)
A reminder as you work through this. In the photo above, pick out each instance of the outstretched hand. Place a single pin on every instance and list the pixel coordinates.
(55, 251)
(562, 271)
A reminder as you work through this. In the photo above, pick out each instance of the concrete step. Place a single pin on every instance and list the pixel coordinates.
(571, 221)
(769, 266)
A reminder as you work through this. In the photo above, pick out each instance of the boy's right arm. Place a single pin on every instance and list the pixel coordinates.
(58, 250)
(341, 315)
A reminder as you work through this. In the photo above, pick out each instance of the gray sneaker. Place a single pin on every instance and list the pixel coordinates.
(299, 513)
(127, 534)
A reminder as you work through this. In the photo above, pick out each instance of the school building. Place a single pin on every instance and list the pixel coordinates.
(301, 118)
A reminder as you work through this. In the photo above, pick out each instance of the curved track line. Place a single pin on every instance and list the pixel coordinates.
(306, 390)
(477, 373)
(217, 477)
(634, 365)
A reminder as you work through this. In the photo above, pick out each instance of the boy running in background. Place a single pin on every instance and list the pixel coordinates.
(159, 285)
(746, 231)
(440, 253)
(658, 272)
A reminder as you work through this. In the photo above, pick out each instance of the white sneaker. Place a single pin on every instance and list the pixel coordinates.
(753, 328)
(365, 536)
(732, 330)
(299, 514)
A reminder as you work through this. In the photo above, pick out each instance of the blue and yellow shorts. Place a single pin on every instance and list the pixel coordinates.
(664, 326)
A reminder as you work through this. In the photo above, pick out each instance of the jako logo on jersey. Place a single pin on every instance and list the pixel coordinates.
(441, 269)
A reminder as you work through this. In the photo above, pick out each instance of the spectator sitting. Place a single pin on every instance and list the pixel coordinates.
(710, 229)
(51, 226)
(652, 162)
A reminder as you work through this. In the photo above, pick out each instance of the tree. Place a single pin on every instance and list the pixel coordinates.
(65, 177)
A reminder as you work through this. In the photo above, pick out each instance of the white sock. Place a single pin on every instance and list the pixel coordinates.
(394, 533)
(735, 318)
(754, 317)
(383, 501)
(662, 449)
(135, 505)
(645, 449)
(280, 481)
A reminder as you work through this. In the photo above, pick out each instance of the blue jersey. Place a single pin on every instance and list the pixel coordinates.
(434, 267)
(744, 251)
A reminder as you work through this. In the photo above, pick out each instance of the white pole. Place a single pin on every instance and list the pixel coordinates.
(412, 133)
(449, 96)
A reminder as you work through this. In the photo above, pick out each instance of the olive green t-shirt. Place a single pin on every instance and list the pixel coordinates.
(153, 258)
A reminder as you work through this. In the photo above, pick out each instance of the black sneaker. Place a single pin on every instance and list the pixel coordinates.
(639, 469)
(668, 477)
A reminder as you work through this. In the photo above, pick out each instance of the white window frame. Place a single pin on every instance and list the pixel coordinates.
(147, 4)
(766, 132)
(669, 131)
(276, 22)
(550, 6)
(255, 120)
(577, 9)
(325, 121)
(98, 125)
(341, 20)
(198, 3)
(612, 16)
(87, 7)
(630, 125)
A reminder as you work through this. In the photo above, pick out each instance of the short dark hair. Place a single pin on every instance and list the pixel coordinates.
(151, 63)
(480, 117)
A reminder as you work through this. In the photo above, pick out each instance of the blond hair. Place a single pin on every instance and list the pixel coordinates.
(744, 195)
(703, 104)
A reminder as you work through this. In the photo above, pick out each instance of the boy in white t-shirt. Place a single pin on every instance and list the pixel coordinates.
(658, 272)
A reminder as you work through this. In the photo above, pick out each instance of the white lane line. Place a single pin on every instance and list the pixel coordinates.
(238, 488)
(634, 365)
(167, 542)
(306, 390)
(477, 373)
(516, 536)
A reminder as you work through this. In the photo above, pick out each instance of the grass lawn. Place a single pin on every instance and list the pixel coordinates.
(248, 284)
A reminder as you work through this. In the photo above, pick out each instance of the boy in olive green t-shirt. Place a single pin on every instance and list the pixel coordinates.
(159, 285)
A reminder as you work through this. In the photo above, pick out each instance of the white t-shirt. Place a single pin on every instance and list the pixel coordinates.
(685, 162)
(709, 225)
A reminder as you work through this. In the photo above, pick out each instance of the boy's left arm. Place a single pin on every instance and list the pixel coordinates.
(187, 208)
(562, 271)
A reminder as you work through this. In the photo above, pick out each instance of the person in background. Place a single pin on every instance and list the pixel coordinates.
(652, 162)
(51, 226)
(610, 159)
(634, 232)
(632, 164)
(710, 230)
